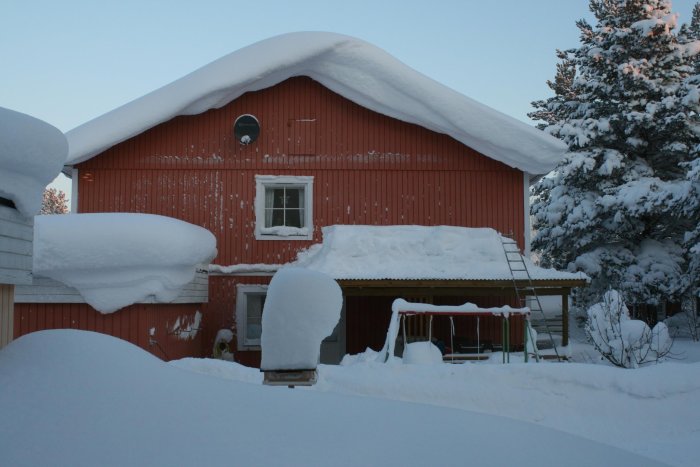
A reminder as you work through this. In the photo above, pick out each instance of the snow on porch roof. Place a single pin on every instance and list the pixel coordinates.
(352, 68)
(411, 252)
(116, 259)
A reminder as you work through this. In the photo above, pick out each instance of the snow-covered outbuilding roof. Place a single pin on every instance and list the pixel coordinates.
(352, 68)
(411, 252)
(116, 259)
(32, 153)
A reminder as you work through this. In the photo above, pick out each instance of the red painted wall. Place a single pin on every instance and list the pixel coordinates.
(367, 168)
(133, 323)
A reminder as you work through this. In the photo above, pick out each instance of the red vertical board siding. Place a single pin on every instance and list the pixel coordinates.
(133, 323)
(368, 169)
(192, 154)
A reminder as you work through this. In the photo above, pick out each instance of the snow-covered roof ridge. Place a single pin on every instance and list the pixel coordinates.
(416, 252)
(117, 259)
(351, 67)
(32, 153)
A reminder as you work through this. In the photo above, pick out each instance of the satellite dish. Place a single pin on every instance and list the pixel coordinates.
(246, 129)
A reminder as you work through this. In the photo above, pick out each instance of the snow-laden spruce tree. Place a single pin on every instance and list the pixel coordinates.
(691, 205)
(615, 206)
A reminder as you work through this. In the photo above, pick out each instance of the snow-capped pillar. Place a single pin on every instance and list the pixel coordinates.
(526, 213)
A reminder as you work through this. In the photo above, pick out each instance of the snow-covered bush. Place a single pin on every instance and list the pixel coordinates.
(625, 342)
(686, 323)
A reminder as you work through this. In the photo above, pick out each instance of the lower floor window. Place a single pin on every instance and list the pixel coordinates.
(250, 301)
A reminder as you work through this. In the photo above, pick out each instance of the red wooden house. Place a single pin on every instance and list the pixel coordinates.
(266, 146)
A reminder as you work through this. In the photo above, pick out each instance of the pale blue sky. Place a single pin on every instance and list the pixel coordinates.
(67, 62)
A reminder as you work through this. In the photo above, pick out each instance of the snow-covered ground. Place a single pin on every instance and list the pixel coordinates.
(75, 398)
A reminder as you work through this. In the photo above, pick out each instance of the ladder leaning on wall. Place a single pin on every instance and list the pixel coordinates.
(525, 291)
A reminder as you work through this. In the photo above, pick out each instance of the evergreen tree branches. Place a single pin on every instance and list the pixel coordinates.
(626, 104)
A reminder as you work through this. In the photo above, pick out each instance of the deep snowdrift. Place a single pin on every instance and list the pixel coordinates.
(351, 67)
(649, 411)
(116, 259)
(32, 153)
(83, 399)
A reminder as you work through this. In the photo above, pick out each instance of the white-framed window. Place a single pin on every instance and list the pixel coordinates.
(250, 300)
(283, 207)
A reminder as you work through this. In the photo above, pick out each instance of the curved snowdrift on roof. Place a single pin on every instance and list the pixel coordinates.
(32, 153)
(415, 252)
(117, 259)
(351, 67)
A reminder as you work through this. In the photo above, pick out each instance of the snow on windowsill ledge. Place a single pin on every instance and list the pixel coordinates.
(257, 269)
(284, 233)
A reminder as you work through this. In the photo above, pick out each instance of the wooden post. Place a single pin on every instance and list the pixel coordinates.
(6, 314)
(526, 323)
(565, 318)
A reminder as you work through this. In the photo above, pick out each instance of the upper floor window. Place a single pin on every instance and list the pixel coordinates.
(283, 207)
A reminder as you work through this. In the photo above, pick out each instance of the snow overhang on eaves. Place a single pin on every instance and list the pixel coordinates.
(350, 67)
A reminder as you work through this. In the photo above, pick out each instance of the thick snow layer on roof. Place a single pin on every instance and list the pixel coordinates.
(32, 153)
(351, 67)
(301, 309)
(116, 259)
(416, 252)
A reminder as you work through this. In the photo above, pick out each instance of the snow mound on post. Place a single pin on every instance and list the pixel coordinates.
(117, 259)
(348, 66)
(32, 153)
(301, 309)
